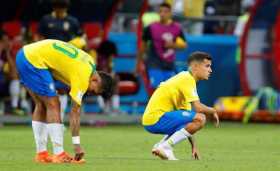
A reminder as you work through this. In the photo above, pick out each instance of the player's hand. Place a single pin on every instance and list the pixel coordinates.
(169, 45)
(216, 118)
(195, 154)
(79, 152)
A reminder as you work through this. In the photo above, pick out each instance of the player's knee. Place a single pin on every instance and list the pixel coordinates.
(39, 105)
(200, 118)
(52, 104)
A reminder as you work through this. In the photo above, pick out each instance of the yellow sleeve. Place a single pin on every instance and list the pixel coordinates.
(78, 89)
(190, 93)
(77, 95)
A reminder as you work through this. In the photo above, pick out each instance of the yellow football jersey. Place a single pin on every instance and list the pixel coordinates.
(67, 63)
(176, 93)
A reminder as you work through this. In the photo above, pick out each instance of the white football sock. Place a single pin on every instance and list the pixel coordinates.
(164, 139)
(178, 136)
(14, 89)
(63, 99)
(100, 102)
(116, 102)
(24, 104)
(161, 141)
(55, 131)
(40, 135)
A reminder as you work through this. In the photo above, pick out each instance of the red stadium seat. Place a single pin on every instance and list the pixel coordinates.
(12, 28)
(127, 87)
(91, 29)
(128, 84)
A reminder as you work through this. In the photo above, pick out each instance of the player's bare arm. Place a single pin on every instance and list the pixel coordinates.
(177, 44)
(75, 129)
(209, 111)
(195, 154)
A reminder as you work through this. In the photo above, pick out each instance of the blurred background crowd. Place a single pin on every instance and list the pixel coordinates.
(111, 31)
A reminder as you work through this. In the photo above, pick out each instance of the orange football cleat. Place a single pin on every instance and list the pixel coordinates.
(43, 157)
(82, 161)
(62, 158)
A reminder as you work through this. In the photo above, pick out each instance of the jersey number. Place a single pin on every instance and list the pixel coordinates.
(67, 49)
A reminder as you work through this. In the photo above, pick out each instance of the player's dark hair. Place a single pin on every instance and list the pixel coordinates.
(107, 48)
(198, 57)
(107, 84)
(166, 5)
(60, 3)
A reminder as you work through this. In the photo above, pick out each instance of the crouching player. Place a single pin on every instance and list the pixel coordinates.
(38, 65)
(169, 110)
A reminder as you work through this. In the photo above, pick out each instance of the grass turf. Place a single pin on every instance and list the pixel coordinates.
(232, 147)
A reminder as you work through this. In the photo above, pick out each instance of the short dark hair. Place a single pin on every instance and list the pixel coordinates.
(107, 48)
(198, 56)
(166, 5)
(107, 84)
(60, 3)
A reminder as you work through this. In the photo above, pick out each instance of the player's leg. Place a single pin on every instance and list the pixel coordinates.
(39, 127)
(198, 122)
(30, 80)
(63, 105)
(54, 126)
(14, 89)
(63, 98)
(188, 123)
(41, 83)
(179, 125)
(24, 104)
(166, 125)
(165, 137)
(116, 97)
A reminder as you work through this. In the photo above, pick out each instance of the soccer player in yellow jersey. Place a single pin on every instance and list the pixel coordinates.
(39, 65)
(169, 110)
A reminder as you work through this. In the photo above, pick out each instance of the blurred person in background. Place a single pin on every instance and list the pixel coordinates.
(210, 26)
(190, 9)
(17, 94)
(242, 19)
(106, 51)
(195, 9)
(151, 15)
(61, 26)
(3, 80)
(160, 40)
(241, 23)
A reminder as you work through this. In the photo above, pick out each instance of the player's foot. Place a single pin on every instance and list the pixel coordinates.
(164, 151)
(18, 112)
(155, 146)
(43, 157)
(66, 158)
(62, 158)
(82, 161)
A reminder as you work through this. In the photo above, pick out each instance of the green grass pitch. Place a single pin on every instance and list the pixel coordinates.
(123, 148)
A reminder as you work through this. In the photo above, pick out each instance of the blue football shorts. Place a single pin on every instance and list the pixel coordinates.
(39, 81)
(171, 122)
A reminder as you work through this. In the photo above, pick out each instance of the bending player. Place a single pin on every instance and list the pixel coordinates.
(169, 110)
(38, 65)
